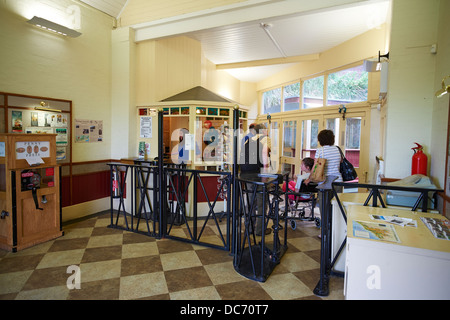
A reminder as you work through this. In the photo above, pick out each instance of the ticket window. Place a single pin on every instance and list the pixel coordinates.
(29, 190)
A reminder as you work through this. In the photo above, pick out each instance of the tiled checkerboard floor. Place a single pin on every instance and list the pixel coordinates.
(117, 264)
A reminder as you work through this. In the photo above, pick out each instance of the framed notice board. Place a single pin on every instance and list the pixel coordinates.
(25, 114)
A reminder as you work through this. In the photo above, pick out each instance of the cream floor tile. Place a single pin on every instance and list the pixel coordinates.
(101, 270)
(37, 249)
(285, 287)
(71, 233)
(105, 241)
(136, 250)
(103, 222)
(221, 273)
(143, 285)
(180, 260)
(14, 281)
(335, 295)
(61, 258)
(305, 243)
(205, 293)
(309, 228)
(299, 261)
(216, 240)
(52, 293)
(179, 233)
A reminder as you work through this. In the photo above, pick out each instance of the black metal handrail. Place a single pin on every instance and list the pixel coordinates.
(327, 262)
(186, 178)
(253, 259)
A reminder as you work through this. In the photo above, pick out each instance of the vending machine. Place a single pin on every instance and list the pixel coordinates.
(29, 190)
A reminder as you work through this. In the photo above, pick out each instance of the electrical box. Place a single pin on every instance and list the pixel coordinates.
(29, 190)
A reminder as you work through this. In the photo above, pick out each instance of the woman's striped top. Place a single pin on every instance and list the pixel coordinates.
(332, 165)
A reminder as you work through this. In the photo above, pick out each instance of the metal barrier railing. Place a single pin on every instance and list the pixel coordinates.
(147, 216)
(256, 256)
(143, 204)
(179, 183)
(327, 262)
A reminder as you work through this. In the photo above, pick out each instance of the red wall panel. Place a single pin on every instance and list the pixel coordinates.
(85, 187)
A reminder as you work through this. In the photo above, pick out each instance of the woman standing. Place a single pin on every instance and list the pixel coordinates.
(333, 160)
(331, 153)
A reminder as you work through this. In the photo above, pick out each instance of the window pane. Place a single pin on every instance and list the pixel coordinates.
(313, 93)
(310, 130)
(291, 95)
(289, 138)
(353, 133)
(272, 101)
(333, 125)
(347, 86)
(353, 140)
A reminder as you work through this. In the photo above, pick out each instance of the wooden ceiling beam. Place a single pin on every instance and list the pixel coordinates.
(268, 62)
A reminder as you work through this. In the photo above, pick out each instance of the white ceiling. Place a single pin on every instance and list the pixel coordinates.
(304, 33)
(297, 35)
(111, 7)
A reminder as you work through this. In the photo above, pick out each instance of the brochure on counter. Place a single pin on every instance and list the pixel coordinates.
(395, 220)
(375, 231)
(438, 227)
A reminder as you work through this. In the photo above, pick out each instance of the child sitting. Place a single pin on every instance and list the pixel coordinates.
(307, 165)
(298, 186)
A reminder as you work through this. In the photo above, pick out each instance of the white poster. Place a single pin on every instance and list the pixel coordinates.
(32, 149)
(146, 127)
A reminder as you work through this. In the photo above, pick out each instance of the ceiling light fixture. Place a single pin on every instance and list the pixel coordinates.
(266, 27)
(445, 89)
(53, 27)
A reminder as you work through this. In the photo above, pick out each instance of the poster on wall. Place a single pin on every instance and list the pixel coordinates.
(60, 153)
(88, 131)
(34, 119)
(16, 117)
(146, 127)
(61, 137)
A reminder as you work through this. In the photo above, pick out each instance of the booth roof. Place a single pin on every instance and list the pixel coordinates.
(197, 94)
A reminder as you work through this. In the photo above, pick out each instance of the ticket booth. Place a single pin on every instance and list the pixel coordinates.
(29, 190)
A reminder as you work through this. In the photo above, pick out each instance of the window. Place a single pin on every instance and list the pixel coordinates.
(343, 87)
(347, 86)
(310, 130)
(289, 138)
(271, 101)
(291, 97)
(353, 133)
(313, 93)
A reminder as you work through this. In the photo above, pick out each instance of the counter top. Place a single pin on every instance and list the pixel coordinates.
(420, 237)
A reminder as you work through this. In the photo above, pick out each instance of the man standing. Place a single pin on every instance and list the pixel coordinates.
(253, 158)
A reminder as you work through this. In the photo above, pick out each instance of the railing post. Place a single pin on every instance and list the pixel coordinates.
(162, 183)
(321, 288)
(195, 179)
(234, 182)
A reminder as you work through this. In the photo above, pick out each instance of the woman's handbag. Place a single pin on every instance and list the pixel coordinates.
(347, 170)
(318, 171)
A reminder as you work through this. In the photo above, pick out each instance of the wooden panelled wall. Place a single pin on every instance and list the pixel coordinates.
(81, 181)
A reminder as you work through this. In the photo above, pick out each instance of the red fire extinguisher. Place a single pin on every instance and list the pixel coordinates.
(419, 161)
